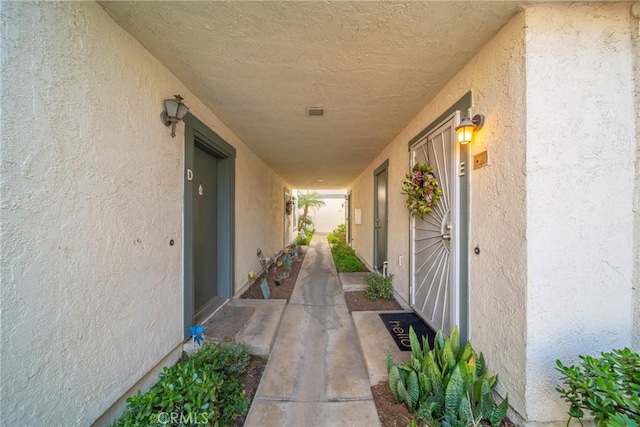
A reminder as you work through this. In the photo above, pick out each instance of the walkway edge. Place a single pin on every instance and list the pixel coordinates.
(375, 341)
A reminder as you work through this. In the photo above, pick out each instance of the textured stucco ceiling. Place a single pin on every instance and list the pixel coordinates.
(258, 65)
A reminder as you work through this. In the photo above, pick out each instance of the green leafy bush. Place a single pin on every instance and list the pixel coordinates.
(201, 389)
(304, 240)
(447, 385)
(608, 387)
(306, 223)
(339, 234)
(345, 259)
(379, 286)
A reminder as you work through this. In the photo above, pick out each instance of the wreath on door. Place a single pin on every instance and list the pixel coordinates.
(422, 190)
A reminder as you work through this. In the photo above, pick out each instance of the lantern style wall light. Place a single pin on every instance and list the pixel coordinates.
(467, 126)
(174, 111)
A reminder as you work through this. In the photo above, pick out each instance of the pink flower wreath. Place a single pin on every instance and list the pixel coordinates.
(422, 190)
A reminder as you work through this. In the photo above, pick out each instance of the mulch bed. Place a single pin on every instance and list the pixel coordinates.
(253, 374)
(357, 301)
(390, 413)
(251, 379)
(283, 291)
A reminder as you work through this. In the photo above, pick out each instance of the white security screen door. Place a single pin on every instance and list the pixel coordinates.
(434, 244)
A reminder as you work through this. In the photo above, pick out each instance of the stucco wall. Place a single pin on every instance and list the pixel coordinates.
(581, 148)
(326, 218)
(498, 210)
(635, 38)
(91, 194)
(362, 198)
(260, 211)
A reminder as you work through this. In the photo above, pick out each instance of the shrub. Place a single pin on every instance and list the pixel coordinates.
(447, 385)
(350, 264)
(339, 234)
(608, 387)
(305, 241)
(203, 388)
(305, 223)
(379, 286)
(345, 259)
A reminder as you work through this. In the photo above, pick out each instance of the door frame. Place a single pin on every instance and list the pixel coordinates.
(349, 219)
(379, 169)
(464, 195)
(226, 155)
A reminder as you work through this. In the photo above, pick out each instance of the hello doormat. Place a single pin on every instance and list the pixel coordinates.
(398, 326)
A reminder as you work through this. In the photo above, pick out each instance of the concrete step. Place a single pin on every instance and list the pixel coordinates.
(353, 281)
(375, 341)
(260, 319)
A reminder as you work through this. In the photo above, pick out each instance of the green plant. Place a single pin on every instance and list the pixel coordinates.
(379, 286)
(346, 259)
(422, 190)
(306, 240)
(608, 387)
(203, 388)
(229, 357)
(447, 385)
(308, 200)
(306, 223)
(339, 234)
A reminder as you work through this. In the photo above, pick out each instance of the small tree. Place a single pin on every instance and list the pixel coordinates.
(308, 200)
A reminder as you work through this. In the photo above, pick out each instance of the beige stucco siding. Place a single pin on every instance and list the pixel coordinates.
(496, 76)
(91, 195)
(553, 213)
(327, 217)
(581, 153)
(635, 38)
(260, 211)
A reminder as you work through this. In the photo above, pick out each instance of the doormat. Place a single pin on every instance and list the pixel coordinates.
(227, 322)
(398, 326)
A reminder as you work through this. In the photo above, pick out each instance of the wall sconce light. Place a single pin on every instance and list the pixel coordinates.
(467, 126)
(174, 111)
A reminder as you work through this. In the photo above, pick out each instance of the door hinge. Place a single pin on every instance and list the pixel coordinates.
(462, 170)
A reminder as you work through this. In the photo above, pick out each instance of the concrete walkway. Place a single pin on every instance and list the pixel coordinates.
(315, 375)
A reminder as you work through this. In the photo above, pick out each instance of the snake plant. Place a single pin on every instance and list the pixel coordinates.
(448, 385)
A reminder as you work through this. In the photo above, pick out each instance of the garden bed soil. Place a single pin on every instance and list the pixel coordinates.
(357, 301)
(251, 379)
(392, 414)
(283, 291)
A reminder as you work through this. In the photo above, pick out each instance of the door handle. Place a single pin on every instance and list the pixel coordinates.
(448, 235)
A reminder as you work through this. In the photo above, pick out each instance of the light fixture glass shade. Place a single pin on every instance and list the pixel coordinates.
(182, 110)
(171, 107)
(174, 111)
(465, 133)
(464, 130)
